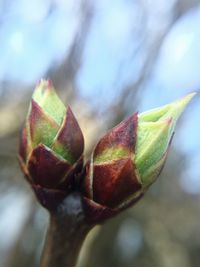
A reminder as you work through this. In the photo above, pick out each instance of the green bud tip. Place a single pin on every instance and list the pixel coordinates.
(155, 130)
(45, 96)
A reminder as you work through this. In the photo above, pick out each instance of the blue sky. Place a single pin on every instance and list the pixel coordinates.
(37, 36)
(31, 42)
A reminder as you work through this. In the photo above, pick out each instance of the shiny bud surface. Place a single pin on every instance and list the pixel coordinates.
(128, 159)
(51, 146)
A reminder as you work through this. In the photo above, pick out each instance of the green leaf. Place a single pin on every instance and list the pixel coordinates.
(153, 140)
(172, 110)
(41, 127)
(155, 129)
(46, 97)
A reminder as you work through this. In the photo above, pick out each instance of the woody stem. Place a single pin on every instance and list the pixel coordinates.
(66, 233)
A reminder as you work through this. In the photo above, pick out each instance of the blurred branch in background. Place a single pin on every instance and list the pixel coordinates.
(64, 76)
(162, 230)
(22, 245)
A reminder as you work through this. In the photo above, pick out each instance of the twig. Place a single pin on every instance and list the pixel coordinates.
(66, 234)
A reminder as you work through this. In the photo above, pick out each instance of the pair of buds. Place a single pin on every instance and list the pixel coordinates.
(124, 163)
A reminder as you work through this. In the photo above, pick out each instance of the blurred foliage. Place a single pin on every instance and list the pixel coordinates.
(162, 230)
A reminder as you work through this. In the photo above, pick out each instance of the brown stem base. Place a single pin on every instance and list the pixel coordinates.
(66, 234)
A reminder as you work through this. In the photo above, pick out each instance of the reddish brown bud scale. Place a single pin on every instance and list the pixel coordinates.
(73, 176)
(24, 169)
(111, 180)
(124, 135)
(87, 182)
(45, 168)
(49, 198)
(23, 144)
(96, 213)
(70, 136)
(114, 182)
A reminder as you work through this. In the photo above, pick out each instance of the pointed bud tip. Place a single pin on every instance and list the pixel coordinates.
(168, 121)
(155, 131)
(173, 110)
(189, 96)
(176, 108)
(47, 98)
(182, 102)
(44, 85)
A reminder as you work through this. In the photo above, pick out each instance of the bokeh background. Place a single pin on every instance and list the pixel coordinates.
(107, 59)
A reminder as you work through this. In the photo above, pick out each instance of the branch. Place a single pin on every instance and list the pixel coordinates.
(66, 234)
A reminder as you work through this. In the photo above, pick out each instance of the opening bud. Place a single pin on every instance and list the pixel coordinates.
(155, 131)
(128, 159)
(51, 146)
